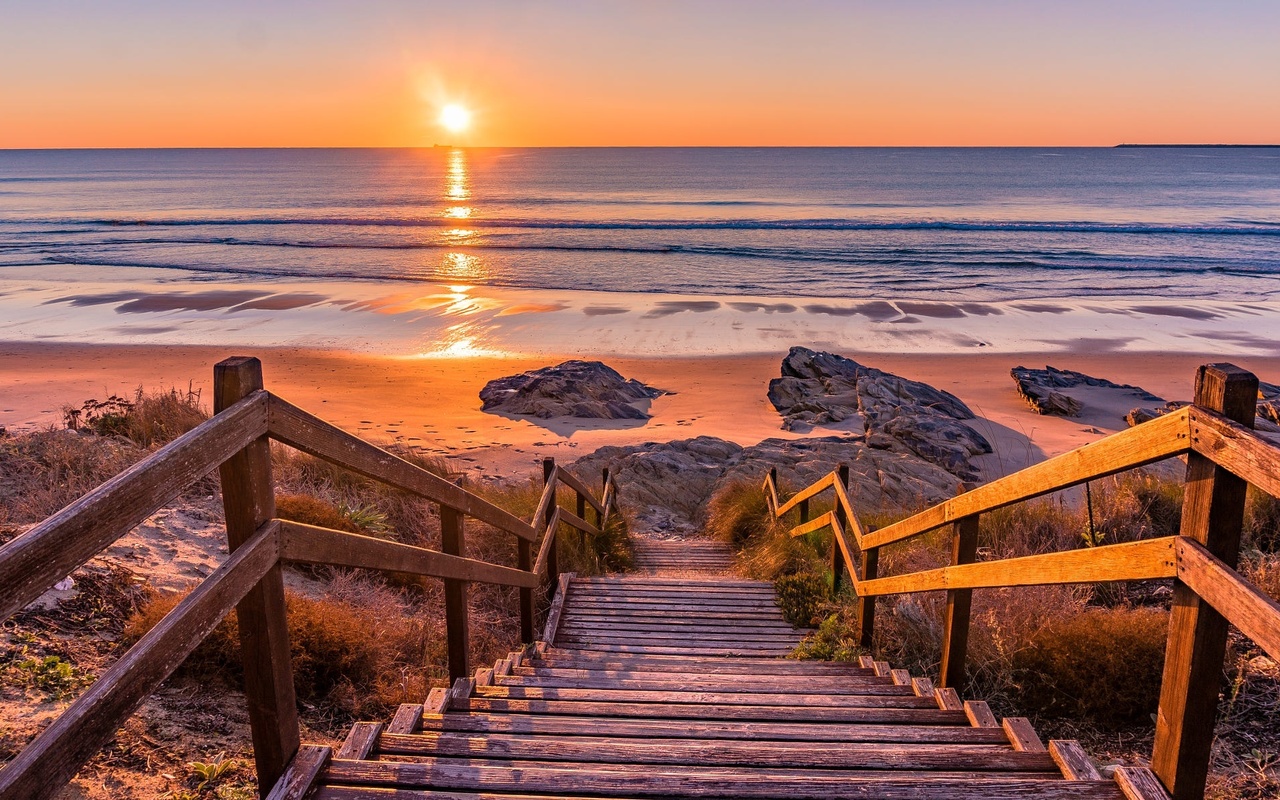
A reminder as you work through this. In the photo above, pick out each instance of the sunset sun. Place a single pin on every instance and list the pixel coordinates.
(455, 118)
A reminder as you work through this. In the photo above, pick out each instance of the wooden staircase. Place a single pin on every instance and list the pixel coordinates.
(649, 685)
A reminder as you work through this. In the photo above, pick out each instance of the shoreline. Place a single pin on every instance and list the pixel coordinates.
(432, 404)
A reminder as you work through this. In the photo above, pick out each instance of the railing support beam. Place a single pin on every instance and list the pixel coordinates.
(1212, 514)
(457, 628)
(836, 557)
(553, 565)
(248, 501)
(955, 628)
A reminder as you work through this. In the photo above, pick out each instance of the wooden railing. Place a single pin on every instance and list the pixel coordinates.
(1223, 456)
(236, 441)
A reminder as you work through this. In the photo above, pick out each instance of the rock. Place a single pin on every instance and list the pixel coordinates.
(583, 389)
(898, 415)
(1267, 420)
(1041, 388)
(1145, 414)
(669, 484)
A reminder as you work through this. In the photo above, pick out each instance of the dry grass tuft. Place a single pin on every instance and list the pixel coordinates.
(737, 513)
(356, 657)
(1103, 665)
(44, 471)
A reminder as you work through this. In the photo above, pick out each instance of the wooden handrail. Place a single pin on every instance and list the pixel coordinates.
(302, 431)
(52, 759)
(235, 441)
(1136, 447)
(315, 545)
(1223, 453)
(32, 563)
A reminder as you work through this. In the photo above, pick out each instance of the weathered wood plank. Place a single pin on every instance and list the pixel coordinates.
(546, 551)
(712, 729)
(640, 727)
(1071, 758)
(1141, 560)
(1243, 604)
(310, 434)
(1152, 441)
(408, 718)
(591, 750)
(360, 741)
(673, 780)
(1213, 515)
(712, 712)
(812, 490)
(948, 699)
(955, 623)
(574, 521)
(301, 774)
(54, 757)
(315, 545)
(1022, 736)
(884, 699)
(815, 524)
(979, 714)
(34, 561)
(569, 479)
(1139, 783)
(557, 608)
(705, 683)
(1236, 448)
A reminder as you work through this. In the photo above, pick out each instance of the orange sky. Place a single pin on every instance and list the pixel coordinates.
(156, 74)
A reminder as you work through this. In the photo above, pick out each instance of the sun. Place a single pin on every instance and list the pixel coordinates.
(455, 118)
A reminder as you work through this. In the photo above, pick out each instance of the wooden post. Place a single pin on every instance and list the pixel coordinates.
(955, 624)
(524, 561)
(604, 490)
(1212, 514)
(453, 542)
(248, 500)
(553, 565)
(867, 605)
(837, 557)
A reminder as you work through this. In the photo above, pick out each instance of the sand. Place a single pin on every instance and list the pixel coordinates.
(433, 403)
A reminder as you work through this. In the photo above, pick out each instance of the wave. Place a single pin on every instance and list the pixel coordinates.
(1257, 228)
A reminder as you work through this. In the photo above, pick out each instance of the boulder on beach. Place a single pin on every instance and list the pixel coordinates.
(668, 484)
(1267, 420)
(897, 414)
(582, 389)
(1048, 390)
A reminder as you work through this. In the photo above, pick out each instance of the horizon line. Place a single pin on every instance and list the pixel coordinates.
(1188, 145)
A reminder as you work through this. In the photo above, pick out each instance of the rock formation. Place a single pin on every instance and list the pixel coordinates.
(1042, 389)
(668, 484)
(583, 389)
(898, 414)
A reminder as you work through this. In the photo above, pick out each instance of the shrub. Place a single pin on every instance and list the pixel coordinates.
(359, 659)
(150, 418)
(737, 512)
(1262, 521)
(1103, 665)
(800, 597)
(43, 471)
(311, 510)
(836, 638)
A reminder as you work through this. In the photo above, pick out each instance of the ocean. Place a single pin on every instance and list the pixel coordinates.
(978, 225)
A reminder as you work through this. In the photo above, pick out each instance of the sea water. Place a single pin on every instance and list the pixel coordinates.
(956, 224)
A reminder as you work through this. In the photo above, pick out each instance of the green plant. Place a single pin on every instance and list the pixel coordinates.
(209, 773)
(836, 638)
(367, 519)
(53, 674)
(311, 510)
(800, 597)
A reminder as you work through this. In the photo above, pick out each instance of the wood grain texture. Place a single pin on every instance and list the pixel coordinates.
(1072, 760)
(569, 479)
(1141, 560)
(1022, 736)
(360, 741)
(53, 758)
(1213, 515)
(812, 490)
(1149, 442)
(1244, 605)
(248, 502)
(1138, 783)
(557, 607)
(315, 545)
(34, 561)
(816, 524)
(310, 434)
(979, 714)
(955, 619)
(1237, 449)
(300, 776)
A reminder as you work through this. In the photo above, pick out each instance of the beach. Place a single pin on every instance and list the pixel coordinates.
(432, 404)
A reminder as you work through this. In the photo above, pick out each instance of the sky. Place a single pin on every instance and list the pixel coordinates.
(602, 73)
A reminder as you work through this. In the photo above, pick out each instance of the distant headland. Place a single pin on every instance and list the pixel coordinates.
(1198, 145)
